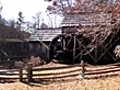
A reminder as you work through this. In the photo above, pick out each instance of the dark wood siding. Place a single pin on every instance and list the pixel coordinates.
(37, 49)
(14, 49)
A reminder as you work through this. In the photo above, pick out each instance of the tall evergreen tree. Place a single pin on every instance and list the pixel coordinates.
(1, 7)
(20, 20)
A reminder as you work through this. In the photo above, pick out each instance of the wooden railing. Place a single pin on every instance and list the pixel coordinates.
(85, 71)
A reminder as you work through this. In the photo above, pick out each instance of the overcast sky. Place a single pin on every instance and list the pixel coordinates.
(28, 7)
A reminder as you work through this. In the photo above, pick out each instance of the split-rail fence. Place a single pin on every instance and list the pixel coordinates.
(80, 71)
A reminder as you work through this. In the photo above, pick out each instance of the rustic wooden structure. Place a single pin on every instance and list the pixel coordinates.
(13, 49)
(88, 36)
(82, 69)
(39, 41)
(31, 74)
(20, 74)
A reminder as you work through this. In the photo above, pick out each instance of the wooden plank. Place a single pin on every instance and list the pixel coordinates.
(54, 68)
(83, 69)
(29, 75)
(20, 74)
(56, 73)
(8, 77)
(102, 75)
(56, 77)
(100, 68)
(74, 47)
(107, 50)
(102, 71)
(88, 53)
(11, 72)
(11, 77)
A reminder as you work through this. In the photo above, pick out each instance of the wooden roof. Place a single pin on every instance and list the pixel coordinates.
(45, 34)
(86, 18)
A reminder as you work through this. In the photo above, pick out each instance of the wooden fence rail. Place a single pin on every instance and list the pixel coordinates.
(31, 73)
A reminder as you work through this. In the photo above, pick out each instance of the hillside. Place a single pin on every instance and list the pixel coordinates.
(13, 42)
(9, 32)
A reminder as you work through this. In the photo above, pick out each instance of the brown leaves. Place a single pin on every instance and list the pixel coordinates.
(83, 5)
(49, 8)
(78, 1)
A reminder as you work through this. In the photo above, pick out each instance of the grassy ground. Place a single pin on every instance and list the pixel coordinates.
(109, 83)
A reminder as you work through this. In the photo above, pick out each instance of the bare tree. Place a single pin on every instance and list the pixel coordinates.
(12, 23)
(37, 19)
(76, 6)
(50, 20)
(60, 6)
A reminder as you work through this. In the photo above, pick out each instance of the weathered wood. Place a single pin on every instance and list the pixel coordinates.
(29, 75)
(107, 50)
(20, 74)
(65, 72)
(74, 48)
(56, 68)
(85, 49)
(56, 73)
(102, 71)
(45, 34)
(9, 77)
(56, 77)
(83, 69)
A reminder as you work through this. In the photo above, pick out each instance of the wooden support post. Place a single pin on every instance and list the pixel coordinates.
(21, 75)
(74, 48)
(29, 75)
(83, 69)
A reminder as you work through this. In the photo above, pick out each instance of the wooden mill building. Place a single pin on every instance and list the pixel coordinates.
(40, 39)
(100, 36)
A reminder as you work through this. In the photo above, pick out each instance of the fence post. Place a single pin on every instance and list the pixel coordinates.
(29, 75)
(83, 69)
(20, 74)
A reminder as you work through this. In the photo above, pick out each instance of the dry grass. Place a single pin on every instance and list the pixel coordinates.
(109, 83)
